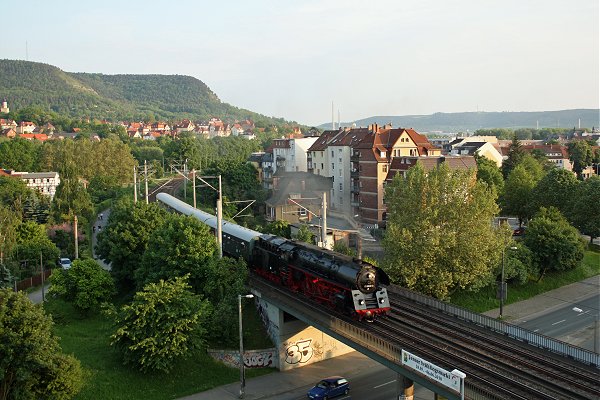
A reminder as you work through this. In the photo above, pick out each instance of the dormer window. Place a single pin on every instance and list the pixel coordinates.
(382, 153)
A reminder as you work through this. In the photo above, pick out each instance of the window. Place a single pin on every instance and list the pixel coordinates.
(382, 153)
(339, 150)
(341, 187)
(340, 159)
(301, 212)
(340, 172)
(332, 154)
(322, 166)
(384, 167)
(332, 166)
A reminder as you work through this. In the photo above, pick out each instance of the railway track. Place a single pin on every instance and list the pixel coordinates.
(558, 372)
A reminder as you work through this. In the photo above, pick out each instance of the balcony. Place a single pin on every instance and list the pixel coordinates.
(355, 156)
(354, 173)
(355, 189)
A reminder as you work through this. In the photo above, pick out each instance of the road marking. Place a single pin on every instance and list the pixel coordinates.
(383, 384)
(561, 321)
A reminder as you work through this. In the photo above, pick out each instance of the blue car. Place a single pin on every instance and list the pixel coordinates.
(329, 387)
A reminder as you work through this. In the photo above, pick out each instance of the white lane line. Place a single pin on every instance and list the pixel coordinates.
(383, 384)
(561, 321)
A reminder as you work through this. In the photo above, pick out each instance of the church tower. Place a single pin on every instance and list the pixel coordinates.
(4, 108)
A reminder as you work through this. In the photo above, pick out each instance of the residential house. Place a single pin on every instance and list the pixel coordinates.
(297, 197)
(184, 126)
(7, 124)
(160, 127)
(371, 159)
(268, 169)
(8, 133)
(25, 127)
(555, 153)
(237, 130)
(329, 156)
(44, 182)
(42, 137)
(290, 154)
(484, 146)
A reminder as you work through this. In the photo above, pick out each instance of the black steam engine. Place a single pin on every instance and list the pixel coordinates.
(338, 281)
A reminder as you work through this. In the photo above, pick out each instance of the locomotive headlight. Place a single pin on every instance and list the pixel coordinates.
(381, 301)
(361, 302)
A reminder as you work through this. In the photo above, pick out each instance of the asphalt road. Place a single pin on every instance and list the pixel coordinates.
(574, 322)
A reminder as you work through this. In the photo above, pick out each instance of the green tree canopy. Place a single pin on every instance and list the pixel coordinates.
(439, 233)
(125, 238)
(488, 172)
(279, 228)
(32, 364)
(86, 284)
(14, 194)
(580, 152)
(556, 245)
(304, 234)
(180, 245)
(556, 189)
(515, 154)
(165, 322)
(517, 198)
(20, 154)
(585, 212)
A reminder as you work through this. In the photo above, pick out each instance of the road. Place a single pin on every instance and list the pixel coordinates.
(573, 323)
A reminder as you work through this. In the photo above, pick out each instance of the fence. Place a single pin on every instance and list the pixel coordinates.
(35, 280)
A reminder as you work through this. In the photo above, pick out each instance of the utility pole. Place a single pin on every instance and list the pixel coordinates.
(324, 216)
(220, 219)
(42, 269)
(194, 185)
(146, 179)
(75, 237)
(134, 184)
(185, 182)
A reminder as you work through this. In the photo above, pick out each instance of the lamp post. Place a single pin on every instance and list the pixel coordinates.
(242, 372)
(502, 284)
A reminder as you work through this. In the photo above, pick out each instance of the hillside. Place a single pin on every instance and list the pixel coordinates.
(114, 97)
(471, 121)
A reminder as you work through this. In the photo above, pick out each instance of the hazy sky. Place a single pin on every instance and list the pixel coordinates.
(292, 58)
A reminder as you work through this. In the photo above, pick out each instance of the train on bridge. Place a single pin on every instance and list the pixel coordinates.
(341, 282)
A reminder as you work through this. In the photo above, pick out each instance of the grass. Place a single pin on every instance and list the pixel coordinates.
(486, 300)
(107, 378)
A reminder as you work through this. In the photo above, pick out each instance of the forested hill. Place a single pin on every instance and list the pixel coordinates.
(471, 121)
(113, 97)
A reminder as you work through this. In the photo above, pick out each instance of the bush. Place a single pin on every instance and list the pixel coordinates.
(86, 284)
(164, 322)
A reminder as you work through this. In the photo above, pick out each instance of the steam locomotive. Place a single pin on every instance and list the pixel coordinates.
(341, 282)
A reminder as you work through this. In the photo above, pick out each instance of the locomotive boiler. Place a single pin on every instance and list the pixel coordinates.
(341, 282)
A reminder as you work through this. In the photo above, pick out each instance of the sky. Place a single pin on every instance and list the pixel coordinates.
(294, 58)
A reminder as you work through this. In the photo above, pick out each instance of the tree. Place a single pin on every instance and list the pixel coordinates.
(515, 154)
(556, 189)
(488, 172)
(163, 323)
(32, 365)
(518, 188)
(439, 234)
(32, 241)
(14, 194)
(180, 245)
(279, 228)
(71, 197)
(125, 238)
(228, 279)
(20, 154)
(304, 234)
(556, 245)
(580, 153)
(585, 212)
(342, 247)
(86, 284)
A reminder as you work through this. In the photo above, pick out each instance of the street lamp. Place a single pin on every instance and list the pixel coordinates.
(242, 372)
(503, 284)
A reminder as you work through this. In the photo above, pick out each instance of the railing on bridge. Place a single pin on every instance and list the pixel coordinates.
(524, 335)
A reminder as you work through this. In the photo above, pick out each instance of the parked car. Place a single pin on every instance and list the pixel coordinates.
(519, 231)
(65, 263)
(329, 387)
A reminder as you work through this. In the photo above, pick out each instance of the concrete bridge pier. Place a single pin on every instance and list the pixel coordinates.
(405, 388)
(297, 343)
